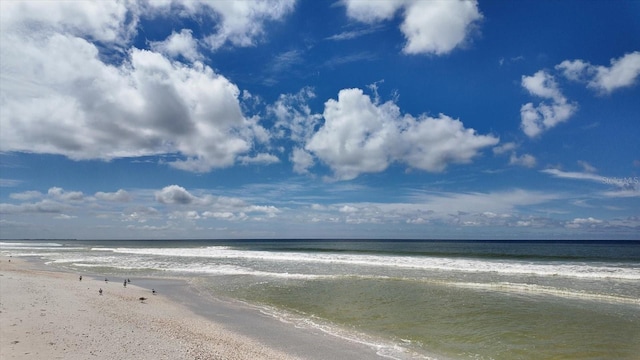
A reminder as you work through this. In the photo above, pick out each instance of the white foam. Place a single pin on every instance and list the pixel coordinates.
(383, 348)
(505, 267)
(27, 244)
(536, 289)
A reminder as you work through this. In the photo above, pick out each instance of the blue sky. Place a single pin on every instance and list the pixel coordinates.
(320, 119)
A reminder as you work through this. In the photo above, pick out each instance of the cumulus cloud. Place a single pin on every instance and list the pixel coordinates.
(26, 195)
(622, 72)
(174, 194)
(294, 118)
(118, 196)
(430, 27)
(208, 206)
(537, 119)
(61, 194)
(584, 222)
(105, 21)
(302, 161)
(60, 95)
(360, 136)
(179, 44)
(241, 23)
(44, 206)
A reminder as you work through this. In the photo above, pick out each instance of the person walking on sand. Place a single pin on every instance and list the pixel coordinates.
(100, 291)
(125, 283)
(80, 277)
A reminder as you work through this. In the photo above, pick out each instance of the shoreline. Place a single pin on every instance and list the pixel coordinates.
(46, 311)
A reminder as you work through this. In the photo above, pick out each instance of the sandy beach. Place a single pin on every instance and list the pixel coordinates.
(53, 315)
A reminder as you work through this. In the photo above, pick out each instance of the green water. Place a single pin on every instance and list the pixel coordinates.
(462, 323)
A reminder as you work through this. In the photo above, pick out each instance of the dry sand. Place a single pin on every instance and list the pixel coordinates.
(53, 315)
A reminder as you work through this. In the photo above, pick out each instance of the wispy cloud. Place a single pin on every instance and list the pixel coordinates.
(354, 34)
(345, 59)
(574, 175)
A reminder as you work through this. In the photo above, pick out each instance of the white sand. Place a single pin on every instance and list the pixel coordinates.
(53, 315)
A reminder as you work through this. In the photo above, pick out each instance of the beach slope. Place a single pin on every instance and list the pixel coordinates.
(54, 315)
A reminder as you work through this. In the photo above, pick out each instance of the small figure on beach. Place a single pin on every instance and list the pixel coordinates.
(142, 299)
(128, 280)
(153, 291)
(125, 283)
(106, 280)
(80, 277)
(100, 291)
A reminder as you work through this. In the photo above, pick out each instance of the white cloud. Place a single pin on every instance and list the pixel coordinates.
(576, 70)
(118, 196)
(372, 11)
(583, 222)
(44, 206)
(263, 159)
(174, 194)
(239, 23)
(543, 85)
(26, 195)
(106, 21)
(537, 119)
(179, 44)
(431, 144)
(61, 194)
(504, 148)
(360, 136)
(357, 135)
(301, 160)
(587, 167)
(152, 106)
(460, 209)
(225, 215)
(353, 34)
(59, 96)
(243, 21)
(525, 160)
(294, 118)
(438, 27)
(623, 72)
(574, 175)
(140, 214)
(430, 27)
(622, 193)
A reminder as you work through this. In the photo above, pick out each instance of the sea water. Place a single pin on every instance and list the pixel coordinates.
(408, 299)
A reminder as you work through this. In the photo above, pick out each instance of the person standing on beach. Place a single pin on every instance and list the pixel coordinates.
(125, 283)
(100, 291)
(80, 277)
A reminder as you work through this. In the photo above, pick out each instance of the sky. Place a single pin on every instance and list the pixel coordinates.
(399, 119)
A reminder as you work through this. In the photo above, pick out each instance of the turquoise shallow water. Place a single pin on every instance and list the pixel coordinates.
(447, 300)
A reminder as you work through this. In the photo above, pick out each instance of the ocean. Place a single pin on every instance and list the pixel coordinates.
(407, 299)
